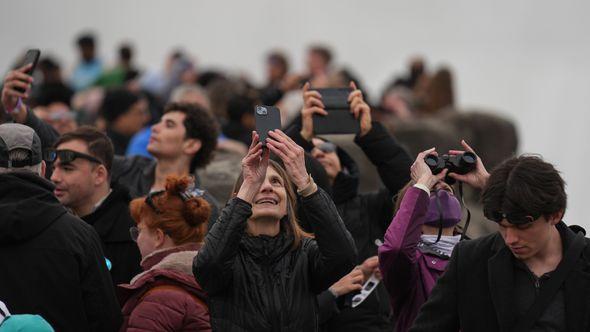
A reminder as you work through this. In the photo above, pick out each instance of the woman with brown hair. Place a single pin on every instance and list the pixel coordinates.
(261, 271)
(171, 225)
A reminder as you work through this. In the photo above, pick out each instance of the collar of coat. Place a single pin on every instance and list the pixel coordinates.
(346, 184)
(501, 283)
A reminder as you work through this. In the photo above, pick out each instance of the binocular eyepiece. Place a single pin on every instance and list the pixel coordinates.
(459, 164)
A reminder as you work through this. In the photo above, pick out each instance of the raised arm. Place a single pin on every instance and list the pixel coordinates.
(333, 253)
(397, 255)
(213, 265)
(13, 102)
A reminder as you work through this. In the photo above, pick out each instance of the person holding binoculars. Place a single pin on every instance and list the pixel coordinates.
(419, 241)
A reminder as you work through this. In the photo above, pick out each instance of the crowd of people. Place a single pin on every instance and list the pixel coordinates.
(147, 201)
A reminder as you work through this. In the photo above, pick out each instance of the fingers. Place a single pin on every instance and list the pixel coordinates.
(424, 153)
(24, 68)
(312, 98)
(440, 176)
(466, 146)
(318, 110)
(255, 139)
(306, 87)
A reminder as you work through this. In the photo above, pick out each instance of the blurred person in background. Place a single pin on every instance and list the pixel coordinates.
(241, 123)
(366, 215)
(319, 59)
(125, 114)
(123, 71)
(171, 226)
(435, 94)
(52, 98)
(416, 71)
(82, 172)
(278, 79)
(89, 67)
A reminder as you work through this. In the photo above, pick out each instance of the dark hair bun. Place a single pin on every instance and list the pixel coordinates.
(196, 210)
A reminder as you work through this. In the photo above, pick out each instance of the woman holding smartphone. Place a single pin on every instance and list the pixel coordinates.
(260, 269)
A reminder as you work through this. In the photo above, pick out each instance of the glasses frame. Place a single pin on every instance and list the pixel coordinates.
(513, 218)
(67, 156)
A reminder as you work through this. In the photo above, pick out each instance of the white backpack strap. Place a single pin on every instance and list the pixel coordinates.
(4, 313)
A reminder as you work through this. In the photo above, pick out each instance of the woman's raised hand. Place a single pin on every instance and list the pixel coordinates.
(254, 167)
(292, 155)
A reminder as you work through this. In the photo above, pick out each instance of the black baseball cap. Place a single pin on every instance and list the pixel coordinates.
(18, 136)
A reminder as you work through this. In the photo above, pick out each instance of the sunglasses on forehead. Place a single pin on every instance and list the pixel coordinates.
(513, 218)
(185, 196)
(67, 156)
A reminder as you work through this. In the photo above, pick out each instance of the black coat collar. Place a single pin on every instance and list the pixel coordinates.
(501, 283)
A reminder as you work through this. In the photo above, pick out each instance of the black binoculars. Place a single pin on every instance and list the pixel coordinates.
(459, 164)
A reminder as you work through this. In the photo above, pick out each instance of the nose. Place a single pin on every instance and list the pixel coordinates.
(156, 127)
(266, 187)
(55, 178)
(511, 237)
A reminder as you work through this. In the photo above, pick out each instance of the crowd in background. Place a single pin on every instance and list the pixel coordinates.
(150, 199)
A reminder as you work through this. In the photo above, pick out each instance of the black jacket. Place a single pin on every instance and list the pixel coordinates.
(476, 293)
(138, 174)
(366, 216)
(51, 262)
(261, 283)
(112, 221)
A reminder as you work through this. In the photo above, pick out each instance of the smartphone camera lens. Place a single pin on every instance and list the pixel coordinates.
(261, 110)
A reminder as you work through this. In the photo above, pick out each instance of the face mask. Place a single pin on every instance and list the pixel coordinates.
(443, 207)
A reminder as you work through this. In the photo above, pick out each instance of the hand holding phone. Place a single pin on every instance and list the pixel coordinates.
(339, 119)
(17, 82)
(267, 118)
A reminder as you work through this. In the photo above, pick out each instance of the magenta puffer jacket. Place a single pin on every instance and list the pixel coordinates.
(408, 274)
(166, 296)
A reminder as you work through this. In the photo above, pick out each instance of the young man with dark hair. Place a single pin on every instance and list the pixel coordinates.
(533, 275)
(82, 170)
(181, 142)
(52, 262)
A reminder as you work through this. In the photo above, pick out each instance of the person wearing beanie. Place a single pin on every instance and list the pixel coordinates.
(125, 114)
(419, 241)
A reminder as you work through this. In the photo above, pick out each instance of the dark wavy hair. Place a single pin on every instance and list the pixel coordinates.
(201, 125)
(525, 185)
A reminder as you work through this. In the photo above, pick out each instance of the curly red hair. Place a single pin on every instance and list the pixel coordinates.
(184, 221)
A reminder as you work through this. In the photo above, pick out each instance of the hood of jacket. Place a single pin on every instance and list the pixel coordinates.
(28, 206)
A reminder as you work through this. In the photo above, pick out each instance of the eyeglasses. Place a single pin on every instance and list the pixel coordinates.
(513, 218)
(327, 147)
(134, 232)
(67, 156)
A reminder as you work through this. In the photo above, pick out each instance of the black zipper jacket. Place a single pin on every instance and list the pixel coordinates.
(262, 284)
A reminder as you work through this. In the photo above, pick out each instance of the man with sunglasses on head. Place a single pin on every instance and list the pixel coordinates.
(366, 215)
(82, 162)
(532, 275)
(51, 262)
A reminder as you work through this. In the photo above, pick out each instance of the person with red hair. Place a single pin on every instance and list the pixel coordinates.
(171, 225)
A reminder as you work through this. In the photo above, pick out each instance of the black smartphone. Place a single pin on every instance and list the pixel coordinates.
(339, 119)
(267, 118)
(32, 56)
